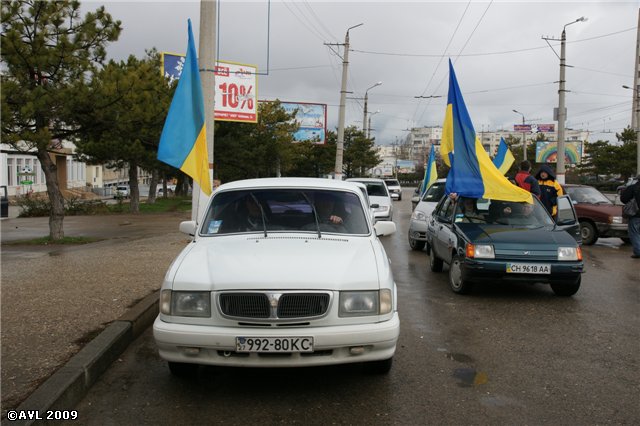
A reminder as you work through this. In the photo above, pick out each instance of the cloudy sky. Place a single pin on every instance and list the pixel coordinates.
(501, 59)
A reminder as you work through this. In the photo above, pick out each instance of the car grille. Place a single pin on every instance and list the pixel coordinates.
(274, 305)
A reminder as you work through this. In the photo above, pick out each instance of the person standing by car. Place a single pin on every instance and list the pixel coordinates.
(633, 191)
(550, 189)
(526, 181)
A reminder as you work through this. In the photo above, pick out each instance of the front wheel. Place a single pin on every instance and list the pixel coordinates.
(416, 245)
(589, 233)
(566, 289)
(457, 283)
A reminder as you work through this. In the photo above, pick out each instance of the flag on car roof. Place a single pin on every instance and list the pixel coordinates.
(504, 158)
(430, 173)
(183, 143)
(472, 172)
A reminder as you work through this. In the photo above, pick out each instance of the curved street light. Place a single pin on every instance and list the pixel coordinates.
(366, 100)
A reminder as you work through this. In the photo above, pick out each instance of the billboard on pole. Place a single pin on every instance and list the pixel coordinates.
(235, 92)
(547, 152)
(311, 119)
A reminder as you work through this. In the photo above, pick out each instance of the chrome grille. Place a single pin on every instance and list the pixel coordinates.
(300, 305)
(274, 305)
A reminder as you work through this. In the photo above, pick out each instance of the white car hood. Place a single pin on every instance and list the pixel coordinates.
(277, 262)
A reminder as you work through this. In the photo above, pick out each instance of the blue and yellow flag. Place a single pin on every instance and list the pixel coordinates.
(431, 173)
(504, 158)
(472, 173)
(183, 143)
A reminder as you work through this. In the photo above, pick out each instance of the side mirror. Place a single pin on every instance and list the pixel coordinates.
(188, 227)
(384, 227)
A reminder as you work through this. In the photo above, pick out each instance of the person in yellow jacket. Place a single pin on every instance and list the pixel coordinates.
(550, 189)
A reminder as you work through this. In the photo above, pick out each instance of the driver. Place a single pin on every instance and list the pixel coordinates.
(326, 208)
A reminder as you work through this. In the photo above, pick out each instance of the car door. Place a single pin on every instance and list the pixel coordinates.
(442, 224)
(567, 218)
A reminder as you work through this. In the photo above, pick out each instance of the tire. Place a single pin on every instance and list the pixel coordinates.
(456, 282)
(400, 198)
(435, 263)
(626, 240)
(416, 244)
(379, 367)
(182, 369)
(566, 289)
(589, 233)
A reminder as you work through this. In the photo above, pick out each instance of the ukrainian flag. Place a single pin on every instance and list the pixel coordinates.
(183, 143)
(504, 158)
(431, 173)
(472, 173)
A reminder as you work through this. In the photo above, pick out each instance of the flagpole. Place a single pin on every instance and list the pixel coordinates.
(206, 62)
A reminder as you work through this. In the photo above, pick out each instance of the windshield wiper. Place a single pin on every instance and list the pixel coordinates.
(315, 214)
(264, 222)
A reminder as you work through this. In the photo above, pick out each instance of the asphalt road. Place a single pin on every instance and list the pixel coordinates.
(505, 354)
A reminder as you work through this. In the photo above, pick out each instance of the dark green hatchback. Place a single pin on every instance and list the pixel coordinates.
(486, 240)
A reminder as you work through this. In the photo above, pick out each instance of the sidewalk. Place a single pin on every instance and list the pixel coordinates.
(56, 299)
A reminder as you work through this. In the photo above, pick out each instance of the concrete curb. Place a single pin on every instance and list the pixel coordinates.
(67, 386)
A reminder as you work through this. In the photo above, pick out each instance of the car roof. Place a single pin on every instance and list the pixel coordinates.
(364, 180)
(293, 182)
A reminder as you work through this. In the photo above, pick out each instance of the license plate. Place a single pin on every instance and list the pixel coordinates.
(528, 268)
(274, 344)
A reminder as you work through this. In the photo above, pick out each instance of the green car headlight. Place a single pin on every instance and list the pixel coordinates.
(569, 253)
(186, 303)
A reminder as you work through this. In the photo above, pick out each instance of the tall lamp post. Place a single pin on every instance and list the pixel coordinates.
(366, 100)
(369, 124)
(562, 114)
(637, 127)
(524, 138)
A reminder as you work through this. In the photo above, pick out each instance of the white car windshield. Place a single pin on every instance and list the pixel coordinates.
(285, 210)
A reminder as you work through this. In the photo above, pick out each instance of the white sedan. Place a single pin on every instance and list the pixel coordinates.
(379, 197)
(283, 272)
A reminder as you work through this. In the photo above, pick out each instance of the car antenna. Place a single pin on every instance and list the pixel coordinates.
(315, 213)
(264, 222)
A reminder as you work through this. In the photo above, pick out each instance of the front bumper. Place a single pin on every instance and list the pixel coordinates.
(607, 230)
(495, 270)
(418, 230)
(216, 345)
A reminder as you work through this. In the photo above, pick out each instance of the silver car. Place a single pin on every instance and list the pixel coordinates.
(379, 197)
(422, 213)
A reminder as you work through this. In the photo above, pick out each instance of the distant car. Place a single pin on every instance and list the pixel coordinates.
(121, 191)
(598, 216)
(495, 241)
(378, 197)
(395, 190)
(422, 213)
(415, 198)
(293, 290)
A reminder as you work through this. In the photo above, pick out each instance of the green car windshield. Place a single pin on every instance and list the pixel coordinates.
(469, 210)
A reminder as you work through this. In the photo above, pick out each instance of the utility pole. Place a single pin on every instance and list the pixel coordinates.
(562, 113)
(341, 112)
(366, 101)
(636, 98)
(206, 62)
(368, 135)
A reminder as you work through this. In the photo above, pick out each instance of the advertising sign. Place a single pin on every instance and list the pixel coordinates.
(235, 92)
(522, 127)
(312, 119)
(547, 152)
(547, 128)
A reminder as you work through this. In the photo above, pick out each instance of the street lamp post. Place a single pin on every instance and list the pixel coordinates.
(637, 126)
(524, 138)
(366, 100)
(369, 124)
(562, 114)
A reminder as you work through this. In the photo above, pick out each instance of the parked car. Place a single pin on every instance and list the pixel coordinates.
(294, 290)
(598, 216)
(378, 196)
(121, 191)
(499, 241)
(415, 198)
(395, 190)
(422, 213)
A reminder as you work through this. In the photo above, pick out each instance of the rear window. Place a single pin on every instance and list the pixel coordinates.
(435, 192)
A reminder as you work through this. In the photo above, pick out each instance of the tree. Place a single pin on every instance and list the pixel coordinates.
(47, 50)
(122, 113)
(359, 153)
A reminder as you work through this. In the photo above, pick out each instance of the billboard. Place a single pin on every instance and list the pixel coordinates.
(534, 128)
(235, 92)
(522, 128)
(547, 152)
(312, 119)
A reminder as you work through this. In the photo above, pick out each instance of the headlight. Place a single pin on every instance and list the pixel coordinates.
(417, 215)
(569, 253)
(480, 251)
(382, 208)
(615, 219)
(186, 303)
(363, 303)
